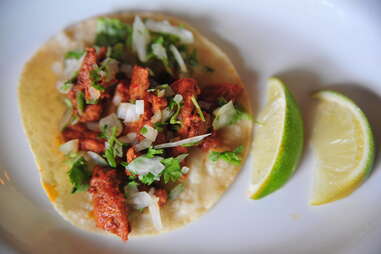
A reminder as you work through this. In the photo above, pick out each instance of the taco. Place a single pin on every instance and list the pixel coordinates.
(138, 123)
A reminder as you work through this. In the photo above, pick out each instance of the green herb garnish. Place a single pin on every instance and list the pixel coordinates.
(198, 108)
(152, 152)
(79, 176)
(80, 99)
(112, 31)
(229, 156)
(74, 54)
(172, 171)
(148, 179)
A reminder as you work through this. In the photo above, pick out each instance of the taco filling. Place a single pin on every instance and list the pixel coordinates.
(135, 115)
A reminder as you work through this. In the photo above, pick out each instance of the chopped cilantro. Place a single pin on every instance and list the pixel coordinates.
(148, 179)
(68, 103)
(124, 164)
(229, 156)
(191, 144)
(79, 176)
(159, 126)
(240, 114)
(152, 152)
(143, 130)
(118, 51)
(74, 54)
(111, 31)
(80, 99)
(95, 78)
(172, 170)
(114, 148)
(172, 105)
(198, 108)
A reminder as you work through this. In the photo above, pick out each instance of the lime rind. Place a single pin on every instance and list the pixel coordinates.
(364, 169)
(290, 148)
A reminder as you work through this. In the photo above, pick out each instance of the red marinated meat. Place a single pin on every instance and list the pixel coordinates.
(139, 82)
(92, 113)
(78, 131)
(122, 91)
(131, 154)
(162, 195)
(89, 144)
(110, 208)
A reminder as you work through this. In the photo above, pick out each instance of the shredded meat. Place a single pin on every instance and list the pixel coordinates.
(92, 113)
(225, 90)
(94, 145)
(162, 195)
(110, 208)
(139, 82)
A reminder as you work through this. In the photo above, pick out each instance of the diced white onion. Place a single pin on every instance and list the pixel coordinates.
(224, 115)
(156, 117)
(144, 144)
(93, 126)
(117, 99)
(127, 112)
(72, 65)
(110, 122)
(130, 189)
(184, 35)
(139, 107)
(97, 158)
(140, 38)
(184, 170)
(130, 138)
(143, 165)
(94, 93)
(141, 200)
(179, 59)
(183, 141)
(159, 51)
(181, 157)
(166, 114)
(70, 146)
(178, 98)
(151, 133)
(63, 87)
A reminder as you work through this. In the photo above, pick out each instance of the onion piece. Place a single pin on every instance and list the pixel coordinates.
(166, 114)
(181, 157)
(184, 35)
(72, 65)
(112, 67)
(156, 117)
(143, 199)
(143, 165)
(139, 107)
(93, 126)
(117, 99)
(179, 59)
(109, 122)
(70, 147)
(130, 138)
(64, 87)
(97, 158)
(127, 112)
(159, 51)
(183, 141)
(95, 94)
(224, 115)
(184, 170)
(149, 132)
(144, 144)
(66, 118)
(140, 38)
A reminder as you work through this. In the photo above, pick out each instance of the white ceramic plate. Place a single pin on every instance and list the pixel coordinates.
(310, 44)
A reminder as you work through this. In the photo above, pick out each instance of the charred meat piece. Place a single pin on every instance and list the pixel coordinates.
(78, 131)
(110, 209)
(92, 113)
(139, 82)
(90, 144)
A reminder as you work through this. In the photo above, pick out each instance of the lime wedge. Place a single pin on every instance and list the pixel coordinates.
(278, 141)
(343, 143)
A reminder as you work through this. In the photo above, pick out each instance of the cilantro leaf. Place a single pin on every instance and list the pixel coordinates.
(114, 147)
(172, 171)
(79, 176)
(74, 54)
(229, 156)
(111, 31)
(80, 99)
(152, 152)
(148, 179)
(172, 105)
(143, 130)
